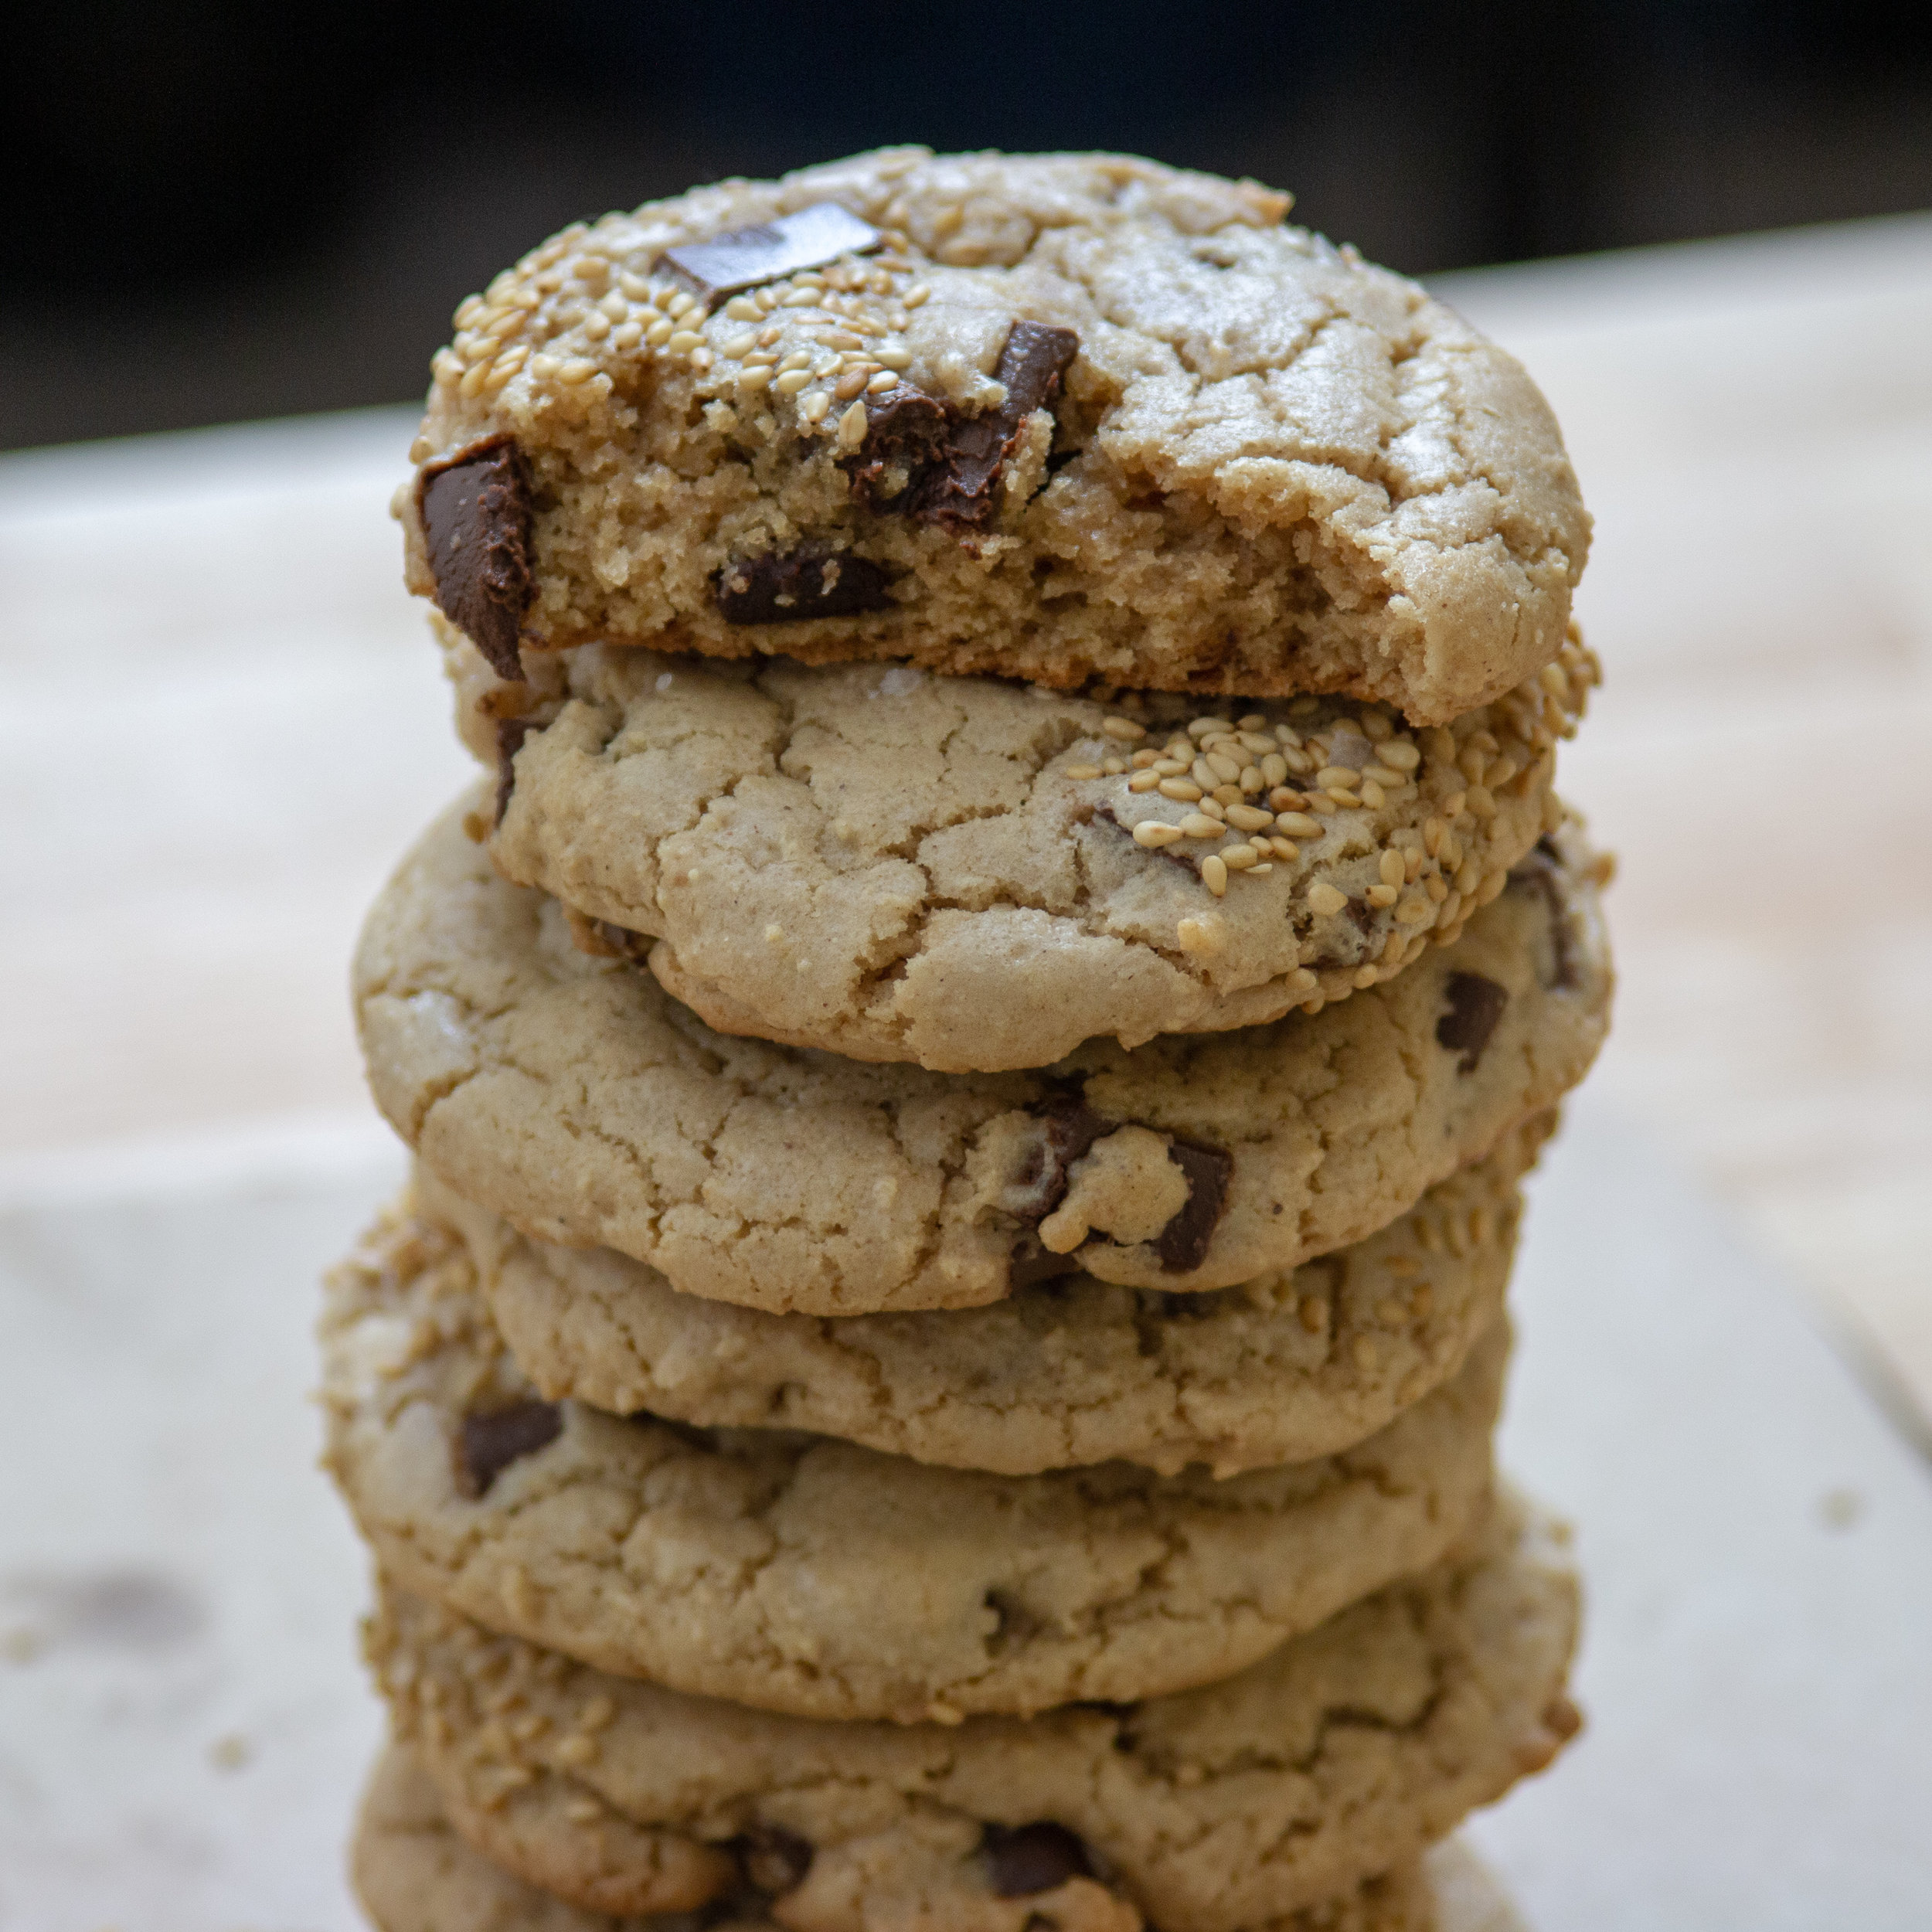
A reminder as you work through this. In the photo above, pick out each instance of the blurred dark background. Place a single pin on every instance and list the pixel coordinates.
(221, 210)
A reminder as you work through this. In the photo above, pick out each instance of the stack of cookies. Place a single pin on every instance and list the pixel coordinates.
(970, 1061)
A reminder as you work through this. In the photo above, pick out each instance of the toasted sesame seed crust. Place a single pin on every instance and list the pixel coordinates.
(578, 1099)
(1342, 1754)
(976, 875)
(1271, 467)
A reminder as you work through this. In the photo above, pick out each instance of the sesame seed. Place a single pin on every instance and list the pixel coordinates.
(1250, 779)
(1437, 890)
(1553, 679)
(1399, 755)
(1208, 727)
(1143, 781)
(1198, 935)
(1248, 818)
(1286, 848)
(792, 381)
(1298, 825)
(1413, 912)
(1214, 807)
(814, 407)
(1325, 900)
(917, 295)
(576, 371)
(1198, 825)
(1364, 977)
(1480, 803)
(627, 335)
(1204, 774)
(1381, 896)
(754, 378)
(1214, 875)
(849, 385)
(1171, 767)
(1154, 833)
(1225, 769)
(1183, 789)
(842, 339)
(1113, 766)
(884, 380)
(1239, 858)
(852, 425)
(740, 345)
(1124, 729)
(895, 355)
(1084, 771)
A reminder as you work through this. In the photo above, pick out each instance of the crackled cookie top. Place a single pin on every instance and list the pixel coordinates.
(1292, 1365)
(1342, 1754)
(414, 1873)
(575, 1098)
(1068, 417)
(975, 874)
(803, 1573)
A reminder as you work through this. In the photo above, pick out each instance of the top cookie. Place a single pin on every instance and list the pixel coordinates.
(1077, 418)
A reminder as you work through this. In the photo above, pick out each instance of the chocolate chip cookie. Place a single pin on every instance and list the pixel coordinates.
(573, 1096)
(1067, 417)
(977, 874)
(1292, 1365)
(802, 1574)
(413, 1873)
(1340, 1755)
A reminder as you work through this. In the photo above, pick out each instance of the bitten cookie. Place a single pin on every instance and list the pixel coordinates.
(1344, 1753)
(1067, 417)
(802, 1574)
(1284, 1368)
(413, 1873)
(575, 1098)
(977, 874)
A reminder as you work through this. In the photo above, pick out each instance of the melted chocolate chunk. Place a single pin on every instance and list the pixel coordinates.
(1032, 1858)
(1072, 1128)
(1475, 1004)
(923, 458)
(1183, 1244)
(475, 513)
(774, 1861)
(747, 256)
(510, 734)
(491, 1442)
(789, 587)
(1030, 1266)
(1542, 870)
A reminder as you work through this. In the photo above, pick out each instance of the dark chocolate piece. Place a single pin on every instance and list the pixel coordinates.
(774, 1861)
(510, 734)
(492, 1441)
(1032, 1858)
(1475, 1004)
(1183, 1244)
(1071, 1128)
(921, 458)
(1542, 870)
(788, 587)
(1031, 1265)
(747, 256)
(475, 513)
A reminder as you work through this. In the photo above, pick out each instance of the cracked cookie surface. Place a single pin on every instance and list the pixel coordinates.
(803, 1573)
(1293, 1366)
(976, 875)
(413, 1873)
(573, 1096)
(1069, 417)
(1343, 1754)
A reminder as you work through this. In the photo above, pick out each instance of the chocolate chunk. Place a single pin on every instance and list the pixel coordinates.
(1475, 1004)
(1183, 1244)
(1032, 1858)
(492, 1441)
(923, 458)
(1071, 1127)
(787, 587)
(774, 1861)
(768, 253)
(475, 512)
(1542, 870)
(510, 734)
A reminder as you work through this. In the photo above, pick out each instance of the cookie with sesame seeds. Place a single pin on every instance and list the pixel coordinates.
(1073, 418)
(977, 874)
(1344, 1753)
(802, 1574)
(573, 1096)
(413, 1873)
(1294, 1365)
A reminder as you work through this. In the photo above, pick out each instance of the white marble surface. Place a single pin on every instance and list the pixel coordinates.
(183, 1726)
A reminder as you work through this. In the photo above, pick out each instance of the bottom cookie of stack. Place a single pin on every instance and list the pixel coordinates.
(1338, 1759)
(413, 1873)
